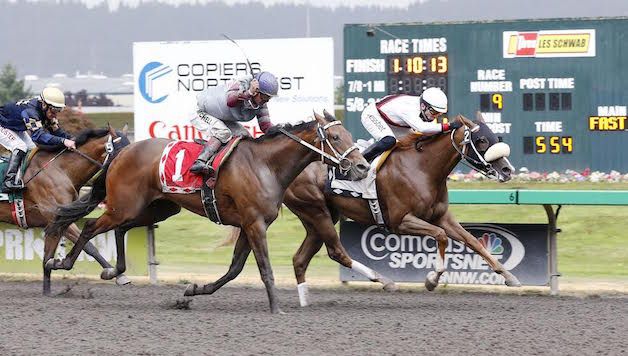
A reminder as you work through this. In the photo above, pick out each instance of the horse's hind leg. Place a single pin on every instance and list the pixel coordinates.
(412, 225)
(50, 246)
(256, 235)
(240, 254)
(73, 233)
(457, 232)
(324, 232)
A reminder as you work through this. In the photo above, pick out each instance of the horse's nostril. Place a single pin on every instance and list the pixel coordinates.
(362, 167)
(506, 170)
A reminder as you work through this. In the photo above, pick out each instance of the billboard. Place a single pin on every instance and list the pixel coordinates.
(522, 249)
(22, 251)
(169, 75)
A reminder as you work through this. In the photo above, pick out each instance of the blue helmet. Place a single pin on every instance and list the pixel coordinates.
(267, 83)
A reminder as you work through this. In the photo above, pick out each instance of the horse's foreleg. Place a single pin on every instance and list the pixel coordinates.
(50, 246)
(412, 225)
(240, 254)
(73, 233)
(457, 232)
(256, 235)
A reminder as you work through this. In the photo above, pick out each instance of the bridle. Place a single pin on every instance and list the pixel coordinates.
(109, 149)
(487, 168)
(339, 160)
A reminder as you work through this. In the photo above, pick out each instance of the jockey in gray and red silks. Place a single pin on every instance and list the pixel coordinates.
(221, 108)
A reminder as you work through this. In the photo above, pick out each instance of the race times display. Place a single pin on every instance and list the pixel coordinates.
(553, 90)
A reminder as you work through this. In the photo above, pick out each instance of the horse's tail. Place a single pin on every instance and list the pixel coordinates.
(68, 214)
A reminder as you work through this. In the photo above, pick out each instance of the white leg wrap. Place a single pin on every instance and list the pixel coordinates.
(303, 294)
(362, 269)
(440, 264)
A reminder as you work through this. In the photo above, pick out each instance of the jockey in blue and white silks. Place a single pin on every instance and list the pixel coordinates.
(35, 116)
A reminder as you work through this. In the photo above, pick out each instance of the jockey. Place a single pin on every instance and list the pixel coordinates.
(397, 115)
(221, 107)
(37, 116)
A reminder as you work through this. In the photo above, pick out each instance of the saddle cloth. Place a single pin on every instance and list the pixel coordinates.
(364, 188)
(176, 160)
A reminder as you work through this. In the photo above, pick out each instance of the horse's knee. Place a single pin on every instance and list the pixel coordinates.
(441, 236)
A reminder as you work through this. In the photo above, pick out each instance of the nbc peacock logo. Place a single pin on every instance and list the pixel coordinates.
(492, 243)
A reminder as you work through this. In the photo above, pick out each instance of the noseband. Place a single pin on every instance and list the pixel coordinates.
(487, 168)
(340, 160)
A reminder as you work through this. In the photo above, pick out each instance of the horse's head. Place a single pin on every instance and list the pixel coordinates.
(338, 145)
(482, 149)
(102, 144)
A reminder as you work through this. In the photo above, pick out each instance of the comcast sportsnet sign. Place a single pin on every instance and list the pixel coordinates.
(547, 44)
(520, 248)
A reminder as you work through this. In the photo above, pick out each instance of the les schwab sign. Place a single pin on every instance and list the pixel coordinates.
(169, 75)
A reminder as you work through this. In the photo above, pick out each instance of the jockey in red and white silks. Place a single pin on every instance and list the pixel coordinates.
(397, 115)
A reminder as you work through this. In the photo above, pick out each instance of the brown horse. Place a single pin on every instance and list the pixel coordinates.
(412, 191)
(249, 190)
(54, 178)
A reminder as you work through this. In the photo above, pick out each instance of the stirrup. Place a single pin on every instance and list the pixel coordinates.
(11, 186)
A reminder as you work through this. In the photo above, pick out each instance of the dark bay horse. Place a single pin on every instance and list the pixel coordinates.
(412, 191)
(249, 191)
(57, 178)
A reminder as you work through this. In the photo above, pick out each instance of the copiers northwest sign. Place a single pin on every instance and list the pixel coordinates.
(169, 75)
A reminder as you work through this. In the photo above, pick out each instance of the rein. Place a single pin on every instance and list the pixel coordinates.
(340, 160)
(108, 148)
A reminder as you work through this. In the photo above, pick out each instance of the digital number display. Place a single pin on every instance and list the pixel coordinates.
(413, 74)
(548, 144)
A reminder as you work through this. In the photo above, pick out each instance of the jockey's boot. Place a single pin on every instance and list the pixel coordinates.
(379, 147)
(200, 166)
(10, 178)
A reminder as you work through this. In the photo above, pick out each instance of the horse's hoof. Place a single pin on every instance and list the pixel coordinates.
(122, 280)
(512, 282)
(190, 291)
(430, 284)
(108, 273)
(278, 312)
(51, 264)
(391, 287)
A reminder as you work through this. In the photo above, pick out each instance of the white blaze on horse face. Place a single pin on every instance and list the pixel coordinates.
(497, 151)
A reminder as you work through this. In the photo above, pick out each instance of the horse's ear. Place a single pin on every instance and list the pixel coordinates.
(125, 129)
(111, 130)
(317, 116)
(329, 117)
(479, 117)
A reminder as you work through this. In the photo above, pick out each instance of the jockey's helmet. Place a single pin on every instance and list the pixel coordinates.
(53, 97)
(267, 83)
(434, 103)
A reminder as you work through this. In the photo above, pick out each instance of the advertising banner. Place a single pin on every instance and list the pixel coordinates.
(523, 249)
(22, 251)
(169, 75)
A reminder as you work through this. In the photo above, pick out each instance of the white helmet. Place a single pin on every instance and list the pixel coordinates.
(53, 97)
(435, 102)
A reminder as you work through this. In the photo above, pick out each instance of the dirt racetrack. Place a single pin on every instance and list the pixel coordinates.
(97, 318)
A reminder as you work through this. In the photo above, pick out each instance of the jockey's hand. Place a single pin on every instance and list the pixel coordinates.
(450, 126)
(69, 144)
(253, 87)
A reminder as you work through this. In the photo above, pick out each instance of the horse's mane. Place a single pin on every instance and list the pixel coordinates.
(86, 134)
(275, 130)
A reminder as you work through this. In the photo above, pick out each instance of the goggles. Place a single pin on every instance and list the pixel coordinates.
(54, 109)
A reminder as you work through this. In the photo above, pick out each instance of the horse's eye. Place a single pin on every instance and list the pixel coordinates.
(335, 137)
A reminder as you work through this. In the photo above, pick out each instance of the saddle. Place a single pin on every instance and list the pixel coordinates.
(175, 176)
(366, 188)
(16, 198)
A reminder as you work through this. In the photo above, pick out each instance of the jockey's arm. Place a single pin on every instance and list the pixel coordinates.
(56, 130)
(428, 128)
(38, 133)
(237, 93)
(263, 119)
